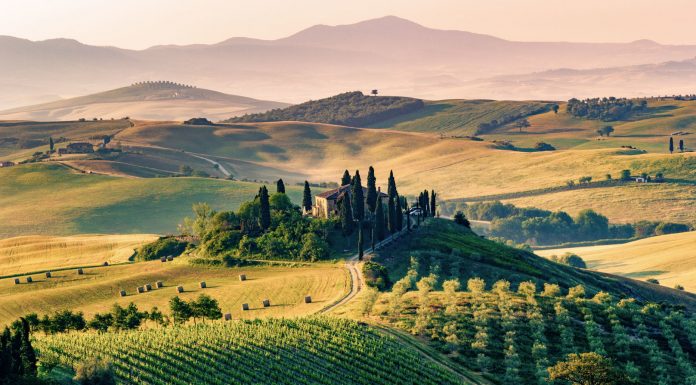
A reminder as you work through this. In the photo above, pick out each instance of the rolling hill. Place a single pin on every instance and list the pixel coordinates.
(324, 60)
(145, 100)
(671, 259)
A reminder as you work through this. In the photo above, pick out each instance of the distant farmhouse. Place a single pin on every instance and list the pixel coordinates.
(77, 148)
(326, 203)
(7, 164)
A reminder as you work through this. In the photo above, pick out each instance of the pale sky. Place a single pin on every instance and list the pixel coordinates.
(142, 23)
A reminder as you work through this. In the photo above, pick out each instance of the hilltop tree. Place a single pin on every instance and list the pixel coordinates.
(280, 186)
(432, 203)
(391, 217)
(374, 92)
(426, 204)
(681, 145)
(50, 145)
(586, 369)
(371, 199)
(671, 145)
(347, 222)
(522, 123)
(391, 187)
(265, 208)
(606, 130)
(346, 178)
(460, 219)
(379, 221)
(358, 198)
(625, 175)
(555, 108)
(307, 197)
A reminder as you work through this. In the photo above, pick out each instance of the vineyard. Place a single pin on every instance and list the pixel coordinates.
(513, 337)
(314, 350)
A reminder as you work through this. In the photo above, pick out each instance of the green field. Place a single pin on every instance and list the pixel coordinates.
(51, 199)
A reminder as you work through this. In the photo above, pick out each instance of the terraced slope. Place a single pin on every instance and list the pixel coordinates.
(314, 350)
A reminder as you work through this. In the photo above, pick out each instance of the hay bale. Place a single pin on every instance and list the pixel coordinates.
(148, 287)
(245, 306)
(202, 285)
(122, 293)
(159, 284)
(141, 289)
(266, 303)
(179, 289)
(170, 258)
(29, 280)
(106, 263)
(80, 272)
(163, 259)
(228, 316)
(242, 277)
(16, 281)
(48, 274)
(308, 299)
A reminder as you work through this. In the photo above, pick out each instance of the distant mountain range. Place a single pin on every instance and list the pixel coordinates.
(394, 55)
(160, 100)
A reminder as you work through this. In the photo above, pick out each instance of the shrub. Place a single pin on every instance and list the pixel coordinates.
(679, 287)
(570, 259)
(653, 280)
(541, 146)
(671, 228)
(476, 285)
(376, 275)
(527, 288)
(460, 219)
(162, 247)
(576, 292)
(95, 372)
(551, 290)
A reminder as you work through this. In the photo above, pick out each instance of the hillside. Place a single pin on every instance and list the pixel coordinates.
(145, 100)
(312, 350)
(350, 109)
(671, 259)
(105, 204)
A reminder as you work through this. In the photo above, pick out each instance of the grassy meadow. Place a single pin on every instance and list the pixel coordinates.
(671, 259)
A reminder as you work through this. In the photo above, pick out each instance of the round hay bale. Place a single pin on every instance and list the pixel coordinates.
(141, 289)
(159, 284)
(148, 287)
(29, 280)
(308, 299)
(179, 289)
(266, 303)
(106, 263)
(122, 293)
(163, 259)
(242, 277)
(16, 281)
(48, 274)
(80, 272)
(245, 306)
(202, 285)
(228, 316)
(170, 258)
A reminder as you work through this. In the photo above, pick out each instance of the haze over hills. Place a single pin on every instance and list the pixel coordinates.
(324, 60)
(145, 100)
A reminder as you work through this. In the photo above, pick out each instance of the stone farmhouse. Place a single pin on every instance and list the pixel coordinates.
(326, 203)
(6, 164)
(77, 148)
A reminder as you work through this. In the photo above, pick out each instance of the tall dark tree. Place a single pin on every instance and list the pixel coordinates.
(671, 145)
(307, 197)
(371, 198)
(347, 222)
(379, 224)
(280, 186)
(50, 145)
(358, 199)
(26, 352)
(346, 178)
(398, 211)
(681, 145)
(360, 241)
(265, 208)
(391, 186)
(408, 216)
(426, 204)
(433, 205)
(391, 217)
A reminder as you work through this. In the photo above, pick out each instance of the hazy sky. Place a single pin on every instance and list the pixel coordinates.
(143, 23)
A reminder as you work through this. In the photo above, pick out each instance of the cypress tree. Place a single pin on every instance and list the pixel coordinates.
(26, 351)
(6, 362)
(265, 208)
(391, 186)
(307, 197)
(280, 186)
(426, 203)
(346, 178)
(346, 215)
(408, 216)
(360, 241)
(681, 145)
(50, 145)
(433, 207)
(671, 145)
(399, 215)
(379, 221)
(371, 190)
(391, 217)
(358, 198)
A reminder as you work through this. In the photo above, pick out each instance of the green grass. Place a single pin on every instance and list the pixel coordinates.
(51, 199)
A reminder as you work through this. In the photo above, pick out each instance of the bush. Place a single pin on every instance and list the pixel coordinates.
(541, 146)
(460, 219)
(162, 247)
(376, 275)
(95, 372)
(570, 259)
(671, 228)
(653, 281)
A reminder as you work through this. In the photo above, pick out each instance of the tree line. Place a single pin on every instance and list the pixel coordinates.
(606, 109)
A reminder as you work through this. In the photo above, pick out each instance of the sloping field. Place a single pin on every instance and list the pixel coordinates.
(671, 259)
(316, 350)
(35, 253)
(52, 199)
(98, 289)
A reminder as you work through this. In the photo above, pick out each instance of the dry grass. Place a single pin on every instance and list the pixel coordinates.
(37, 253)
(669, 258)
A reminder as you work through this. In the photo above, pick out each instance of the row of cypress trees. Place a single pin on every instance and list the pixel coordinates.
(17, 356)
